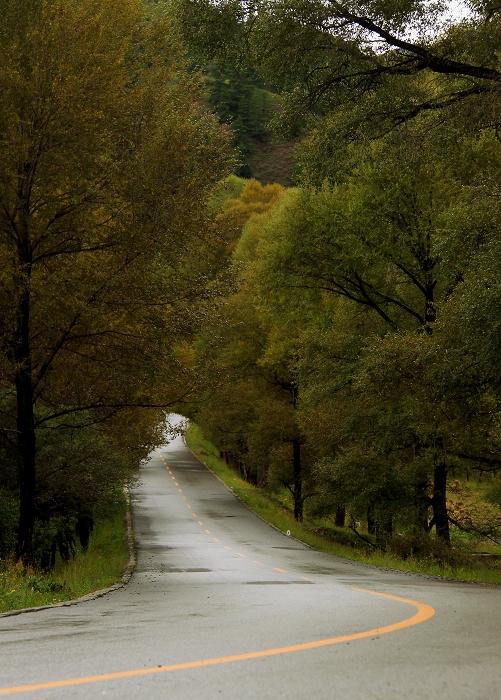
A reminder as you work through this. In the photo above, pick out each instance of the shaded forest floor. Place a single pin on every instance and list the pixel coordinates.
(276, 509)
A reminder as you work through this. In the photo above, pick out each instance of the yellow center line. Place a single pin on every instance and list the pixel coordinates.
(188, 505)
(306, 579)
(240, 555)
(176, 484)
(226, 546)
(283, 571)
(184, 498)
(200, 522)
(208, 532)
(194, 515)
(215, 539)
(424, 612)
(255, 561)
(180, 490)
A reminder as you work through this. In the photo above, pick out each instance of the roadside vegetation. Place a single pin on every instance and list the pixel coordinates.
(100, 565)
(276, 507)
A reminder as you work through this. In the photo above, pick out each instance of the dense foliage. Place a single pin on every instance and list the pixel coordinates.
(107, 163)
(371, 292)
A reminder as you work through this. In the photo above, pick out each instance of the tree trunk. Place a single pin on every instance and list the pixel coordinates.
(340, 517)
(384, 529)
(25, 430)
(298, 481)
(439, 502)
(23, 381)
(430, 314)
(422, 505)
(371, 522)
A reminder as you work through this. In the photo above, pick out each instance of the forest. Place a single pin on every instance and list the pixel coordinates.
(355, 363)
(334, 331)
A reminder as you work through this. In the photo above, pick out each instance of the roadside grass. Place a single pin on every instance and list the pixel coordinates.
(273, 508)
(99, 567)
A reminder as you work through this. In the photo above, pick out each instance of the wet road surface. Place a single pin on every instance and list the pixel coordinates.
(215, 582)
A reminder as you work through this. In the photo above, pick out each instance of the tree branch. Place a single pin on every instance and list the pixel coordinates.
(425, 57)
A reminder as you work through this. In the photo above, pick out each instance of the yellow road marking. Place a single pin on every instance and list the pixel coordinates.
(240, 555)
(208, 532)
(255, 561)
(188, 505)
(200, 522)
(424, 612)
(226, 546)
(176, 484)
(184, 498)
(283, 571)
(215, 539)
(306, 579)
(180, 490)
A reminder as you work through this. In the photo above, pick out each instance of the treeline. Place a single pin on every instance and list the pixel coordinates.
(106, 253)
(356, 364)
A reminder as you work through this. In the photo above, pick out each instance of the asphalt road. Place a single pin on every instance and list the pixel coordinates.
(215, 582)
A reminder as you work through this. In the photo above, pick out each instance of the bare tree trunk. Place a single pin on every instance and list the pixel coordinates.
(439, 502)
(26, 463)
(23, 377)
(371, 522)
(384, 529)
(340, 517)
(298, 481)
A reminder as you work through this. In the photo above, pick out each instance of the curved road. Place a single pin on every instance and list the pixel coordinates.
(224, 606)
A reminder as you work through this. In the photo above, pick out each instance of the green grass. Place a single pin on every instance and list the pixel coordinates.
(99, 567)
(272, 508)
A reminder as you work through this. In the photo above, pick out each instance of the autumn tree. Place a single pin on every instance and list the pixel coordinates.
(249, 407)
(107, 163)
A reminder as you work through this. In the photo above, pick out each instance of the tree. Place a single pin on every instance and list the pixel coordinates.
(349, 72)
(107, 162)
(249, 407)
(374, 257)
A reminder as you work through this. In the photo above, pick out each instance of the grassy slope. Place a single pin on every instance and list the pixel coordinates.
(275, 513)
(99, 567)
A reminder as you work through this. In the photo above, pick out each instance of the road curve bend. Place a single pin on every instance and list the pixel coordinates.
(223, 606)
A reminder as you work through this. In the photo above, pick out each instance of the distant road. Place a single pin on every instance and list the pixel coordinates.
(236, 610)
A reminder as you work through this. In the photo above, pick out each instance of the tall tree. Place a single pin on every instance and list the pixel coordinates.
(107, 161)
